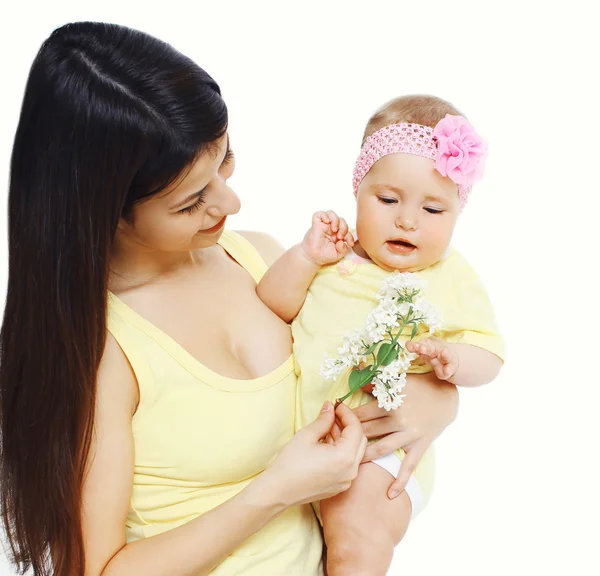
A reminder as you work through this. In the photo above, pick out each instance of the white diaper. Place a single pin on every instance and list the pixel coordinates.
(392, 464)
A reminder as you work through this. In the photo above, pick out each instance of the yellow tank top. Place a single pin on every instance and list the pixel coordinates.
(200, 438)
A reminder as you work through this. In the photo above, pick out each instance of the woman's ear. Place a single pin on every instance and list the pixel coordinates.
(124, 225)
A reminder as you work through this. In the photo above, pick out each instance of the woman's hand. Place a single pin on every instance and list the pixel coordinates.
(307, 470)
(429, 406)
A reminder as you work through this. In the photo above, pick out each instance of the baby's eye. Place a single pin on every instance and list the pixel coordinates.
(434, 210)
(387, 200)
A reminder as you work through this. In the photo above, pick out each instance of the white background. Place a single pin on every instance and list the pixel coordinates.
(517, 486)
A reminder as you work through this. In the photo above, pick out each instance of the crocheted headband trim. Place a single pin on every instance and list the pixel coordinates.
(457, 150)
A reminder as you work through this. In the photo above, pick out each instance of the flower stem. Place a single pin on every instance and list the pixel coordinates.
(405, 322)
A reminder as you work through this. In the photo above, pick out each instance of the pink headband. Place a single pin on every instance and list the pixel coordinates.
(457, 150)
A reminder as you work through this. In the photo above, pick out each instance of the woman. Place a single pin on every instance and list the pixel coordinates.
(146, 394)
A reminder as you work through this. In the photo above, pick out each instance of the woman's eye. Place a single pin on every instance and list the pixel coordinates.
(195, 206)
(433, 210)
(387, 200)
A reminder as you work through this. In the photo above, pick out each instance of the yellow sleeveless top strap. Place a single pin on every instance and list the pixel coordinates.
(244, 253)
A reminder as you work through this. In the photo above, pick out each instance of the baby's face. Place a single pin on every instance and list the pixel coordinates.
(406, 212)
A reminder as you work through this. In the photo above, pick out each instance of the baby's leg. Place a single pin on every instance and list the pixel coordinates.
(362, 525)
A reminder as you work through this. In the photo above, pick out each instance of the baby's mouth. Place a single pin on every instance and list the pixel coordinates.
(401, 246)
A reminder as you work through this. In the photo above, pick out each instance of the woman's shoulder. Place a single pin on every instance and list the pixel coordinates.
(268, 247)
(116, 379)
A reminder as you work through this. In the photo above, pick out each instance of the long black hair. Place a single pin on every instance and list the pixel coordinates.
(110, 116)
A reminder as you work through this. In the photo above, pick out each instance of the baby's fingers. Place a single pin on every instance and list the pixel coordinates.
(411, 346)
(341, 248)
(423, 347)
(449, 370)
(343, 229)
(445, 356)
(335, 221)
(320, 217)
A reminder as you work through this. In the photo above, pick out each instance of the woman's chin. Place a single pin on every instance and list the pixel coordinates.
(201, 240)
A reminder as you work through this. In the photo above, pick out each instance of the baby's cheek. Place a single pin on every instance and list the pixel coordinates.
(439, 240)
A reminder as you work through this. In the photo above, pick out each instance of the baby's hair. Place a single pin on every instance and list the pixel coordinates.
(416, 109)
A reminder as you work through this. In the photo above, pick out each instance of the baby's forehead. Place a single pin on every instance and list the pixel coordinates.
(412, 175)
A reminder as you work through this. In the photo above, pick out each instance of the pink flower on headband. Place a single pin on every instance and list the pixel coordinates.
(461, 151)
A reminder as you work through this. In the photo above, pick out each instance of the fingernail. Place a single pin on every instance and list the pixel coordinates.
(393, 494)
(327, 407)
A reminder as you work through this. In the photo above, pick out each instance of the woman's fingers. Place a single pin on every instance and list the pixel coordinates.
(369, 411)
(336, 430)
(413, 456)
(377, 421)
(387, 445)
(361, 451)
(380, 426)
(352, 432)
(321, 426)
(352, 437)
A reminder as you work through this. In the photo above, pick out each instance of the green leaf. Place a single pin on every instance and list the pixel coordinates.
(387, 353)
(360, 378)
(371, 349)
(354, 380)
(415, 329)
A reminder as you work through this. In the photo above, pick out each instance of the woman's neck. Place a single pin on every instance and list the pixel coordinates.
(133, 265)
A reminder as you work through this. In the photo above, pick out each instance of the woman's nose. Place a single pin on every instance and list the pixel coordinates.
(225, 203)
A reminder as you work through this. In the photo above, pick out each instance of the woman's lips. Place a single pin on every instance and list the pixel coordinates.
(400, 246)
(215, 228)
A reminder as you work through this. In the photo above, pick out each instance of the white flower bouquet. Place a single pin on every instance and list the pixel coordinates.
(373, 354)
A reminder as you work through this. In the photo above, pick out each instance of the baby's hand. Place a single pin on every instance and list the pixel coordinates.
(328, 239)
(441, 357)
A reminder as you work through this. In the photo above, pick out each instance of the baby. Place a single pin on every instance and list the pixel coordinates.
(412, 178)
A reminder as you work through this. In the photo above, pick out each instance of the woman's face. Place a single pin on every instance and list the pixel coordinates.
(190, 214)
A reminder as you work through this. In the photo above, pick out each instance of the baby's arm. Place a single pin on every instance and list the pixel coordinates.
(460, 364)
(283, 287)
